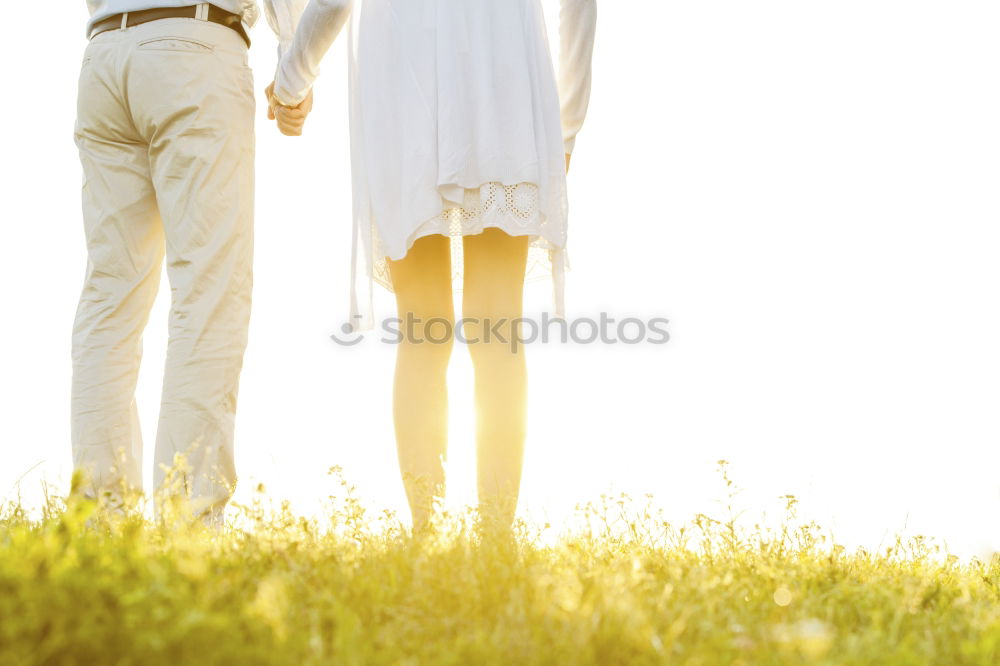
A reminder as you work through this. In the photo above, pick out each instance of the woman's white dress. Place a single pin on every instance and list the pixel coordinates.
(457, 121)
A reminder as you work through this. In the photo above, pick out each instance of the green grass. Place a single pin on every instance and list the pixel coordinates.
(626, 588)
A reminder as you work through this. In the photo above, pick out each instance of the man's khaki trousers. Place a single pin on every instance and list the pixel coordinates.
(165, 133)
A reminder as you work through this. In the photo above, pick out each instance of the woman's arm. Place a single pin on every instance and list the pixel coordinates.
(577, 27)
(321, 22)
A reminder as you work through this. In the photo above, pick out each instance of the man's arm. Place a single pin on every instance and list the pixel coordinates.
(284, 16)
(319, 26)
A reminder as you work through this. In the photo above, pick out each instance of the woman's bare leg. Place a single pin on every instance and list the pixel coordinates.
(422, 282)
(494, 284)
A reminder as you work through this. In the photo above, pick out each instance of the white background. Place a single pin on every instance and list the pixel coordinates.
(807, 190)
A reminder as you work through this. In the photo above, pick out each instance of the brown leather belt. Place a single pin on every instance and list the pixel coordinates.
(215, 15)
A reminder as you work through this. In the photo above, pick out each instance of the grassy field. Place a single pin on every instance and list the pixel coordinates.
(625, 588)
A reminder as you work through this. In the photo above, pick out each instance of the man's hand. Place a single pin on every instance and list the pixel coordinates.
(291, 119)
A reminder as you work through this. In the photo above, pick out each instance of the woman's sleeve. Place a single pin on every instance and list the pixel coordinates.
(298, 68)
(577, 27)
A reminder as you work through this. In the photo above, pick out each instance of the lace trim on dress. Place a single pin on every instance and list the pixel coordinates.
(512, 208)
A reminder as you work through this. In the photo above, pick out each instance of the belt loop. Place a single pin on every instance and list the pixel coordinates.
(202, 11)
(124, 20)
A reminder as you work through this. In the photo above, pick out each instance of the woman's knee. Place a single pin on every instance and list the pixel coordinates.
(493, 343)
(427, 340)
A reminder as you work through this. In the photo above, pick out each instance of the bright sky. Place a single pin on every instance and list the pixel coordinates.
(808, 191)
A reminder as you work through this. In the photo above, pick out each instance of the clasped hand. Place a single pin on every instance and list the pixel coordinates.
(291, 119)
